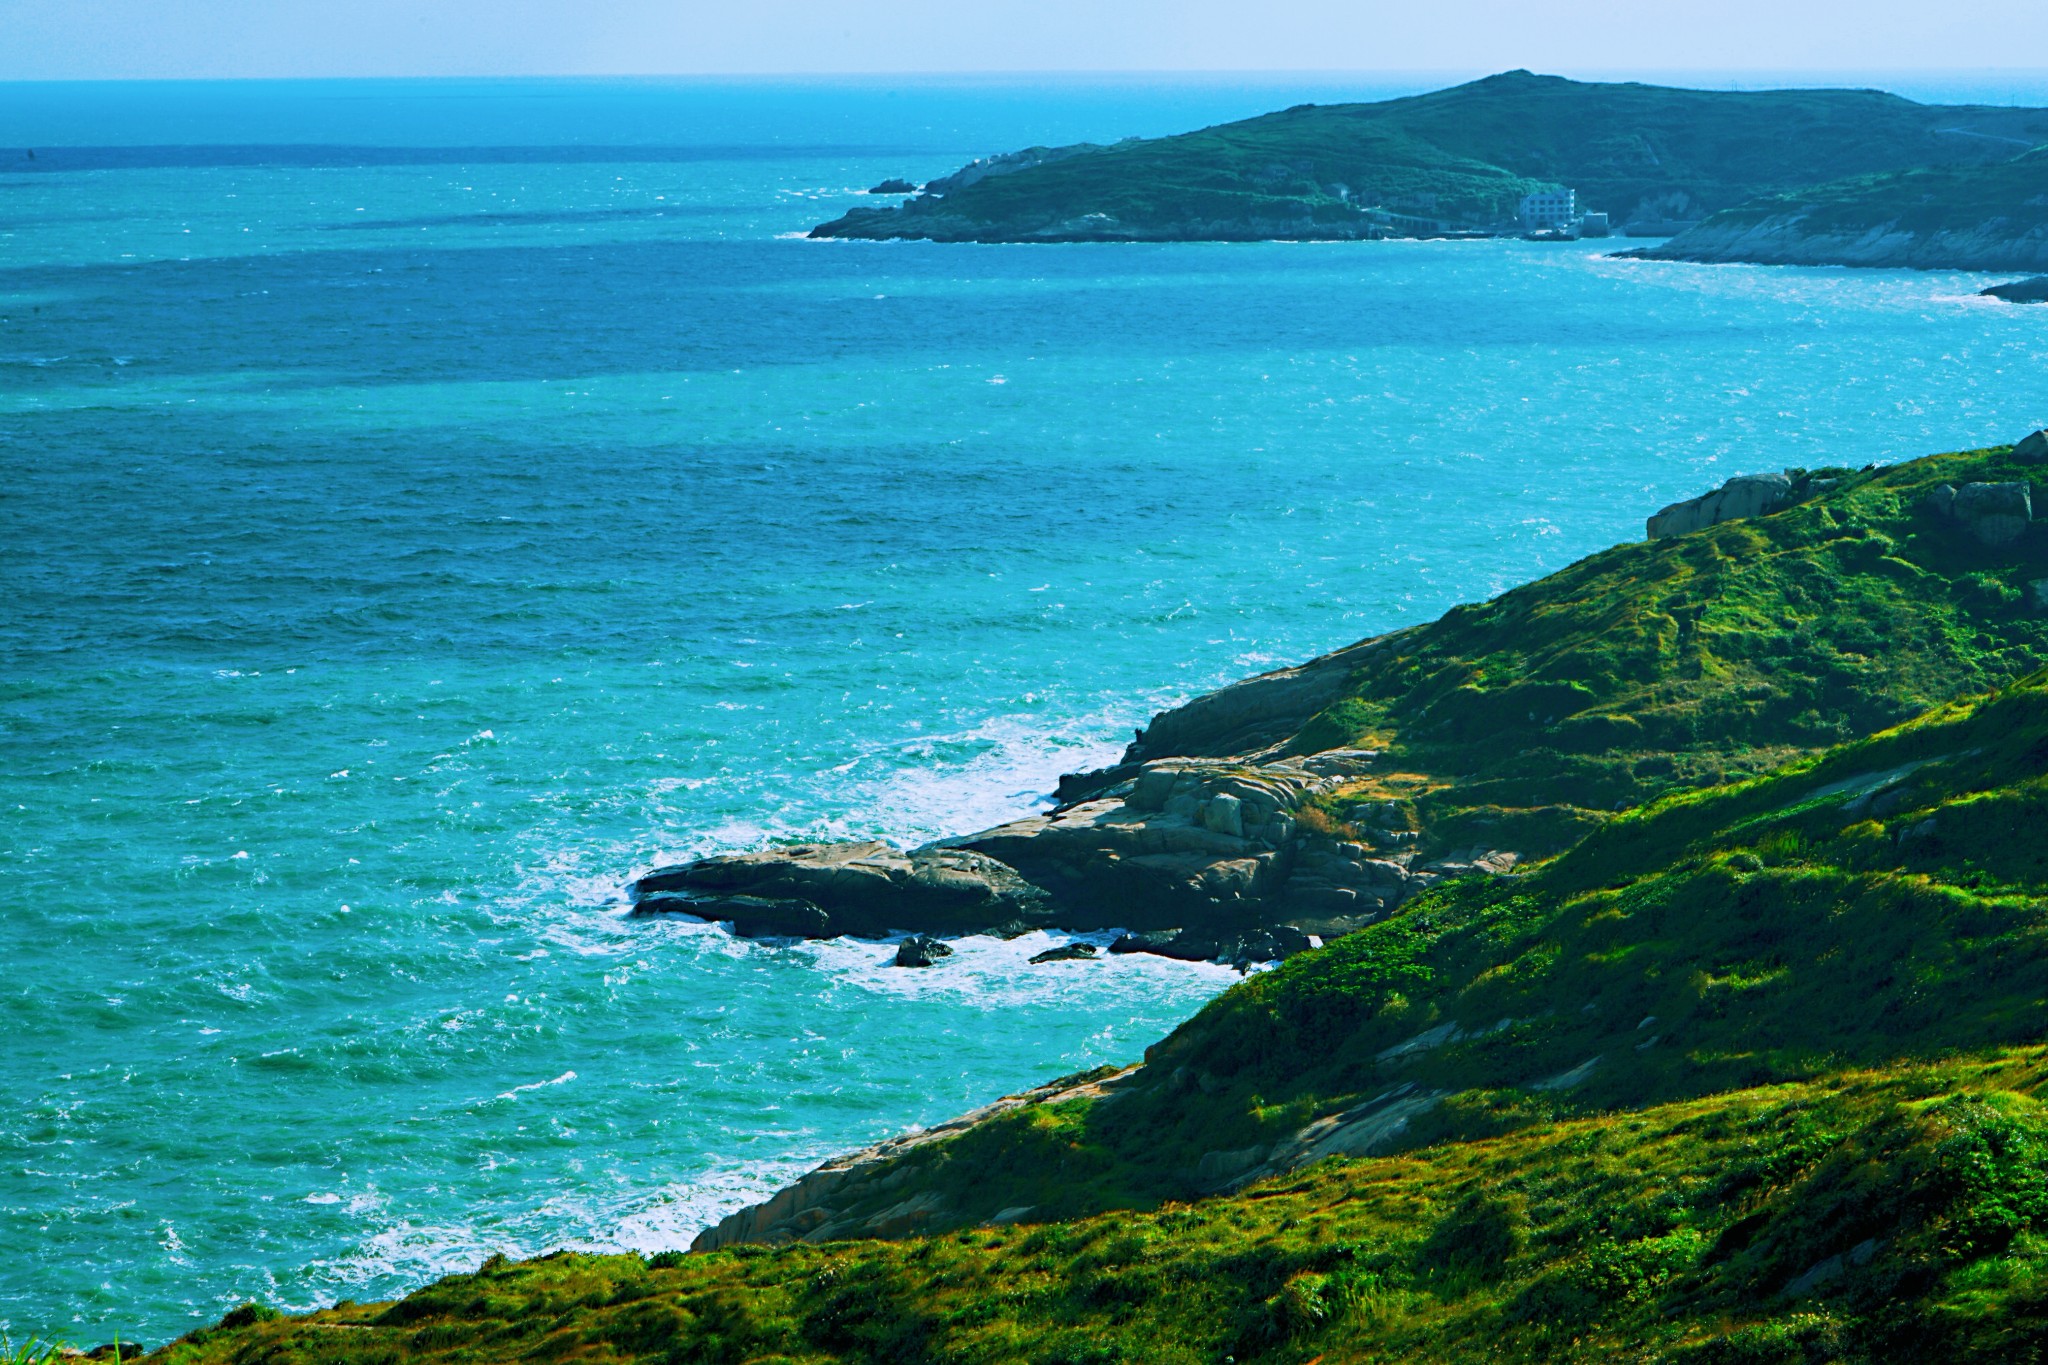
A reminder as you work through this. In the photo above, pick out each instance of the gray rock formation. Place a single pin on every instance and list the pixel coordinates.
(1254, 714)
(1185, 843)
(921, 950)
(2032, 450)
(822, 890)
(1746, 495)
(1207, 859)
(1066, 952)
(2020, 291)
(1995, 513)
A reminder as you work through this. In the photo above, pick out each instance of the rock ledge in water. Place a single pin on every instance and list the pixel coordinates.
(823, 890)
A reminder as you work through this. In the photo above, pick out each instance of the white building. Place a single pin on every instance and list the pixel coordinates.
(1550, 210)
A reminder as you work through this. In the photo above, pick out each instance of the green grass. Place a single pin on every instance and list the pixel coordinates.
(34, 1351)
(1787, 1005)
(1768, 931)
(1671, 1233)
(1462, 156)
(1697, 660)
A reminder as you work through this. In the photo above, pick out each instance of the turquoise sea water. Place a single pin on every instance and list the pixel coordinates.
(424, 506)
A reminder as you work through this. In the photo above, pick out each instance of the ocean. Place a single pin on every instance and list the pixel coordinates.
(425, 505)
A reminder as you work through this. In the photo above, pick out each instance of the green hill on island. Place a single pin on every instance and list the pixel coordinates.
(1457, 159)
(1976, 217)
(1750, 1072)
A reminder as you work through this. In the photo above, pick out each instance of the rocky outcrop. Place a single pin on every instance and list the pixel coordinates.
(893, 186)
(1792, 238)
(1066, 952)
(1994, 513)
(1254, 714)
(2020, 291)
(873, 1193)
(921, 950)
(824, 890)
(1207, 859)
(1746, 495)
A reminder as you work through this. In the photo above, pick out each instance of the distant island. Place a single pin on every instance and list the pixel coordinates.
(1513, 154)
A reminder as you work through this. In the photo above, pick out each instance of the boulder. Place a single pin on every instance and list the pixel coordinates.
(2033, 450)
(921, 950)
(1995, 513)
(894, 186)
(1009, 929)
(1746, 495)
(1067, 952)
(820, 890)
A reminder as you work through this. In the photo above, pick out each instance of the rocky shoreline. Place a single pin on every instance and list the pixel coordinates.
(1791, 239)
(1222, 835)
(1207, 842)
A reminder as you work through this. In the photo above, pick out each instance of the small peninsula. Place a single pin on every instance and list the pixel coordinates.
(1459, 161)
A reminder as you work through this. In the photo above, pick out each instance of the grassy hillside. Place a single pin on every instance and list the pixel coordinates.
(1526, 721)
(1887, 900)
(1457, 157)
(1882, 1216)
(1749, 1073)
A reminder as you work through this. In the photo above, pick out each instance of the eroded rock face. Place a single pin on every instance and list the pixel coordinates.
(1746, 495)
(1244, 720)
(1182, 842)
(823, 890)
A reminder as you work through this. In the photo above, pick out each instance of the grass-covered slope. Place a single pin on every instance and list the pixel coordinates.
(1887, 900)
(1457, 158)
(1991, 217)
(1750, 1073)
(1884, 1216)
(1527, 720)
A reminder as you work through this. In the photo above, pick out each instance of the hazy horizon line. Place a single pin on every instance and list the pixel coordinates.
(1603, 75)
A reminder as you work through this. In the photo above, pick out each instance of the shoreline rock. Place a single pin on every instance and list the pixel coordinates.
(824, 890)
(2019, 291)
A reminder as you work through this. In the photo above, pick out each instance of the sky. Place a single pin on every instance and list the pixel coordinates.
(98, 39)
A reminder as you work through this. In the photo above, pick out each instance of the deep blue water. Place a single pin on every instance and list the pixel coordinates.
(424, 505)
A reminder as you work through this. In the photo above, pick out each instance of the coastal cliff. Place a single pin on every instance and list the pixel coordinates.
(1957, 218)
(1748, 1069)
